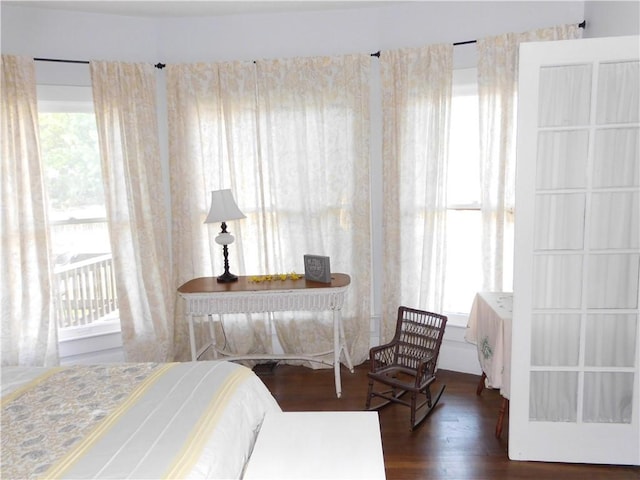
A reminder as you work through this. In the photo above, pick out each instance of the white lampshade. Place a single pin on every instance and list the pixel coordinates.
(223, 207)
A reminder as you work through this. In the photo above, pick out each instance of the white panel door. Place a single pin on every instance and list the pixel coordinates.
(576, 329)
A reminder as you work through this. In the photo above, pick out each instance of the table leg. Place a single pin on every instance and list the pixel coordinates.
(192, 338)
(343, 343)
(336, 351)
(504, 406)
(480, 387)
(339, 346)
(212, 335)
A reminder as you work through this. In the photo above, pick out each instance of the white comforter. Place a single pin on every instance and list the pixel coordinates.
(178, 420)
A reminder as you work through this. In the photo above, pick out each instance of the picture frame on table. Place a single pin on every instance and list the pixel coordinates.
(317, 268)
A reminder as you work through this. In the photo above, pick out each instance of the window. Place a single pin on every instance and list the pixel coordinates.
(83, 280)
(464, 223)
(464, 275)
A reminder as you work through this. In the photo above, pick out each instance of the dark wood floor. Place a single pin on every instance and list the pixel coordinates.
(456, 442)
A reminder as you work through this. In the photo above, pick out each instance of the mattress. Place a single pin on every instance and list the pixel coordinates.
(143, 420)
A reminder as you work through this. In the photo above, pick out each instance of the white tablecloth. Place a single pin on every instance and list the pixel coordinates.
(489, 328)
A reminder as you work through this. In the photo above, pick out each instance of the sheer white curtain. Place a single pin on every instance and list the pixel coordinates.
(28, 326)
(290, 138)
(416, 93)
(213, 144)
(314, 134)
(497, 88)
(125, 103)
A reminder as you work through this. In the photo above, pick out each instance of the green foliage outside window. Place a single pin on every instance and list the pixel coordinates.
(71, 159)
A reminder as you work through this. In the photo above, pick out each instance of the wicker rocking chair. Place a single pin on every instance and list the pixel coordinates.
(407, 364)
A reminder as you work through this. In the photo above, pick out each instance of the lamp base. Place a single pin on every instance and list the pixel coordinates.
(227, 277)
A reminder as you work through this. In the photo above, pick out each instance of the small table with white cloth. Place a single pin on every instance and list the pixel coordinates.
(489, 327)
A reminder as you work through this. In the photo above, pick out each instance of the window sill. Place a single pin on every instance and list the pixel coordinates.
(103, 327)
(457, 319)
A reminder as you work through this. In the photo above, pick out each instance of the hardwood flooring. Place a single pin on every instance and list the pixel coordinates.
(456, 442)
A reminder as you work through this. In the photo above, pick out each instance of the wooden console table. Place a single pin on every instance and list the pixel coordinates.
(206, 297)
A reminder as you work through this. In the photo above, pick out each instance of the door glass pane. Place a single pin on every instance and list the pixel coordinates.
(618, 93)
(557, 281)
(608, 397)
(615, 220)
(615, 157)
(559, 221)
(562, 159)
(610, 340)
(555, 340)
(562, 405)
(565, 95)
(612, 281)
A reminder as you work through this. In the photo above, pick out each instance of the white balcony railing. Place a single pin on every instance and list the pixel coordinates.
(85, 290)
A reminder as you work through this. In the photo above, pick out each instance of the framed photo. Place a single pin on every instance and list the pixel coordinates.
(317, 269)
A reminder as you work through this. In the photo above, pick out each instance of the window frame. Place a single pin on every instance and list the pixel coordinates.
(464, 84)
(75, 99)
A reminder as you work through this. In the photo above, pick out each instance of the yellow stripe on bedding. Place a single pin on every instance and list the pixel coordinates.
(193, 447)
(65, 463)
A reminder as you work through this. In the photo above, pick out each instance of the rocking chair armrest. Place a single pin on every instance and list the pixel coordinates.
(373, 351)
(422, 366)
(427, 358)
(378, 352)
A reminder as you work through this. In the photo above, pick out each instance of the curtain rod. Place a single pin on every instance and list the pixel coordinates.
(159, 66)
(582, 24)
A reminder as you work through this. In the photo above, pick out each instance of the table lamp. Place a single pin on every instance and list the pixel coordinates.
(223, 209)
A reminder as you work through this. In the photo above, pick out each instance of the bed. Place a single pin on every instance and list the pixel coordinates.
(142, 420)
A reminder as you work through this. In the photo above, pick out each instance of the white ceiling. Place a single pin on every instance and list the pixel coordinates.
(188, 8)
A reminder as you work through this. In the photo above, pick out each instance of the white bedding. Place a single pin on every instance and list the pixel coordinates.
(179, 420)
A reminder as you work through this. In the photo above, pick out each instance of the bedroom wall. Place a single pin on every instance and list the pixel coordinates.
(612, 19)
(74, 35)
